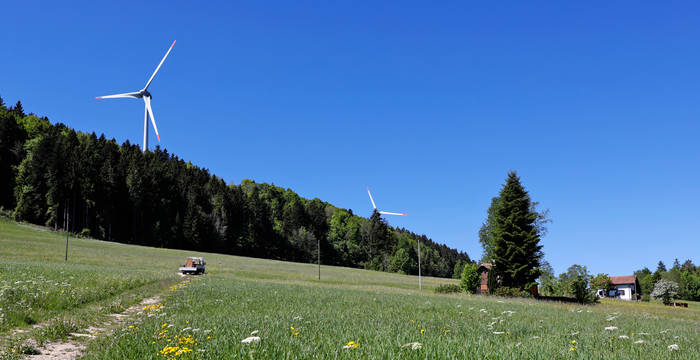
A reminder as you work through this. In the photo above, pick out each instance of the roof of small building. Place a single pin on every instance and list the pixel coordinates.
(619, 280)
(485, 265)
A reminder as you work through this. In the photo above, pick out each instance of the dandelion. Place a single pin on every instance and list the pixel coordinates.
(351, 345)
(250, 339)
(413, 345)
(673, 347)
(611, 328)
(573, 342)
(291, 328)
(422, 331)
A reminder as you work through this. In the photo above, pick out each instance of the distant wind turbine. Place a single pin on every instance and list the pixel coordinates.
(420, 284)
(143, 93)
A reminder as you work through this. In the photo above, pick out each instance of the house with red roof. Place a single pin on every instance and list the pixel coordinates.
(623, 288)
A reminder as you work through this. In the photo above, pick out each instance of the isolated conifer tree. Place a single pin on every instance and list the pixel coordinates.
(517, 251)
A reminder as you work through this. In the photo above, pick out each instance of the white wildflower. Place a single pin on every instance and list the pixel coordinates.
(673, 347)
(664, 331)
(413, 345)
(623, 337)
(611, 328)
(639, 342)
(535, 337)
(250, 339)
(482, 310)
(254, 332)
(498, 332)
(574, 333)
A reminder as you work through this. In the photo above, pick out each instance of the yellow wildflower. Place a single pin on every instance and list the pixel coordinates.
(573, 341)
(422, 331)
(572, 349)
(351, 345)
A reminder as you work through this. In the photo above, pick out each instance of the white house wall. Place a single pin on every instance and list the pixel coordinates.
(628, 291)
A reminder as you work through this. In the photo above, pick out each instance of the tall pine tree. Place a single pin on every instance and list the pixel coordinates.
(517, 252)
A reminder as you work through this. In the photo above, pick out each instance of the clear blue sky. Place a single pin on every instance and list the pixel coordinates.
(596, 105)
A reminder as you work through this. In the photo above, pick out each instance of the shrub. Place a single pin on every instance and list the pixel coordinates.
(646, 297)
(665, 290)
(448, 289)
(85, 233)
(470, 278)
(510, 292)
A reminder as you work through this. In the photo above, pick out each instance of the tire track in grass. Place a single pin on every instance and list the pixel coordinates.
(72, 340)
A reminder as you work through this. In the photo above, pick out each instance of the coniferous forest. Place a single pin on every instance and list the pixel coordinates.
(91, 186)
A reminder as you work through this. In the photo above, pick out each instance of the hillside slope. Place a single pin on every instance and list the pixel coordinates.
(52, 175)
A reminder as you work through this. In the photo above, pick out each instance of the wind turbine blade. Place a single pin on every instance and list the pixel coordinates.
(134, 95)
(159, 65)
(370, 198)
(390, 213)
(147, 100)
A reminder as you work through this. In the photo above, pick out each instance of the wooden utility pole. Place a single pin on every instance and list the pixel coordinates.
(420, 285)
(67, 218)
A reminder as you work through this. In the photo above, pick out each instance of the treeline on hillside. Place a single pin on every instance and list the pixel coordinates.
(50, 173)
(686, 276)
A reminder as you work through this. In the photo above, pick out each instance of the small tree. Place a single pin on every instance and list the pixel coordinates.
(492, 281)
(470, 278)
(601, 282)
(665, 290)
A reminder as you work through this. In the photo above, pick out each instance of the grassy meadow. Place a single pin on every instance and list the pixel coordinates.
(350, 313)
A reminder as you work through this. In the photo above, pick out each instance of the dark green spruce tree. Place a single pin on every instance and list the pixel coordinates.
(517, 250)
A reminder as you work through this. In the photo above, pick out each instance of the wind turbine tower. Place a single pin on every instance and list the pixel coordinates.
(420, 284)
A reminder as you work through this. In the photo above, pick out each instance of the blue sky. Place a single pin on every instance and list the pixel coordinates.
(597, 106)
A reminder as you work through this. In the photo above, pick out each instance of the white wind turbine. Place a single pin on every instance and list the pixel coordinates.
(420, 285)
(381, 212)
(143, 93)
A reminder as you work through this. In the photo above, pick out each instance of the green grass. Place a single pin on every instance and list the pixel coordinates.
(378, 311)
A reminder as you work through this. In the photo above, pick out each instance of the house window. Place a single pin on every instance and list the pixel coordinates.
(622, 292)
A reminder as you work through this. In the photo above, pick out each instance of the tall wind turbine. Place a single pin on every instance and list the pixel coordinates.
(146, 96)
(420, 284)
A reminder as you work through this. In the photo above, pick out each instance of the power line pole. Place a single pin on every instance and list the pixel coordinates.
(67, 218)
(420, 285)
(318, 244)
